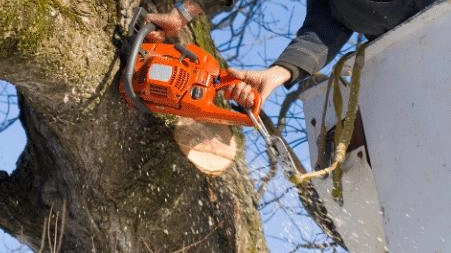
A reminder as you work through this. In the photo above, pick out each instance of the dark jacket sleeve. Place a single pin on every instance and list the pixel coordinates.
(317, 42)
(224, 5)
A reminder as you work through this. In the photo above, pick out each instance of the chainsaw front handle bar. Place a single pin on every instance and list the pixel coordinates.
(130, 67)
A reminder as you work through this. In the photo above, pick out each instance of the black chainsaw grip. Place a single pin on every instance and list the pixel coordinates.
(130, 67)
(186, 53)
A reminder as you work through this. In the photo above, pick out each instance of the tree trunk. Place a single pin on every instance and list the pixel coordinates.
(113, 178)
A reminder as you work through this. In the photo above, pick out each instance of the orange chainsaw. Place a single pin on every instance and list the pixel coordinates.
(173, 79)
(170, 78)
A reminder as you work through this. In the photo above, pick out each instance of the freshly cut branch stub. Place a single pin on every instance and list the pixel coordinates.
(210, 147)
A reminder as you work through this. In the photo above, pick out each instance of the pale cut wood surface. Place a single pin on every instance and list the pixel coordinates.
(210, 147)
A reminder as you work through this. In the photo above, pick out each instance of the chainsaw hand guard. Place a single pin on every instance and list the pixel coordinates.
(130, 67)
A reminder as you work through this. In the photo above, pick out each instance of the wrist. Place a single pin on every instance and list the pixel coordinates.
(187, 10)
(193, 8)
(177, 18)
(183, 11)
(279, 74)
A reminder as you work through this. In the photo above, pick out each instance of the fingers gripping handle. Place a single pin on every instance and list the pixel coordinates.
(228, 80)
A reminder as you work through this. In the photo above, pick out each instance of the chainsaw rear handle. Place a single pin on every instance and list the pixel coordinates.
(130, 67)
(227, 80)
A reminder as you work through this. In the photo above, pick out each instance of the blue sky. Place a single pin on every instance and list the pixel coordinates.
(12, 142)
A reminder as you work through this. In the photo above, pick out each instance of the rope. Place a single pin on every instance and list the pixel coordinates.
(344, 130)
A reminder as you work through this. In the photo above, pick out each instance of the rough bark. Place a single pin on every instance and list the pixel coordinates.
(126, 185)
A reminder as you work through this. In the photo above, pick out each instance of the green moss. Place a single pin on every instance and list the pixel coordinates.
(254, 228)
(8, 28)
(37, 28)
(65, 11)
(168, 119)
(23, 29)
(201, 31)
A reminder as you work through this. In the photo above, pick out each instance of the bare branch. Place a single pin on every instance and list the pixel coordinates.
(294, 96)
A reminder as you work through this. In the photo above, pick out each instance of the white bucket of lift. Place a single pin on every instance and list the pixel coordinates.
(403, 202)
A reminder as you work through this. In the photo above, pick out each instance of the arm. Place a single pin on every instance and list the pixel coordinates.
(264, 81)
(213, 6)
(317, 42)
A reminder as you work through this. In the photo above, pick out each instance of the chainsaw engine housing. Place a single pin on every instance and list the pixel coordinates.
(170, 78)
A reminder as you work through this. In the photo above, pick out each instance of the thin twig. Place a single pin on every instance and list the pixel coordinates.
(63, 226)
(294, 96)
(49, 237)
(44, 231)
(146, 245)
(55, 233)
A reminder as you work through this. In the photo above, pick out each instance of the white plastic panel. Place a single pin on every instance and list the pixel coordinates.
(406, 110)
(359, 220)
(405, 103)
(160, 72)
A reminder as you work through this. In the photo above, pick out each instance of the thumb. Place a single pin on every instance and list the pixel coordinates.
(254, 78)
(239, 74)
(156, 18)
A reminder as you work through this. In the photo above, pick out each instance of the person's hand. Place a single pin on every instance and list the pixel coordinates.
(172, 22)
(169, 23)
(264, 81)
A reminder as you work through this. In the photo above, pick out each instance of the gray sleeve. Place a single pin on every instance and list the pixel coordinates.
(317, 42)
